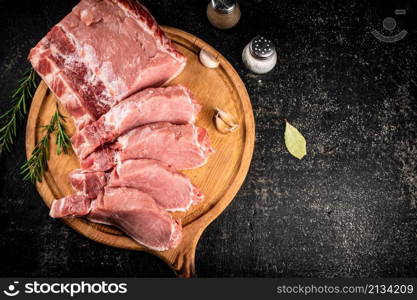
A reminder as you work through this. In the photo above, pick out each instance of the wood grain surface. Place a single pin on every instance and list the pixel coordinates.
(219, 180)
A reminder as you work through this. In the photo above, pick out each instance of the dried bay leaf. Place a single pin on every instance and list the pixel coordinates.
(294, 141)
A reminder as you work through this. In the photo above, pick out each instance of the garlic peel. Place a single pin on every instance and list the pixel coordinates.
(225, 122)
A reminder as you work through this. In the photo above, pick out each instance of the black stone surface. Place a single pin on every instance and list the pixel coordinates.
(347, 209)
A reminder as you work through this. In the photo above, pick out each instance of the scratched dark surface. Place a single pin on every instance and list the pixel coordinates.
(347, 209)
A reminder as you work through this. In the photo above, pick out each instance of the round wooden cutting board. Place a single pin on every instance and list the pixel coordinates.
(219, 180)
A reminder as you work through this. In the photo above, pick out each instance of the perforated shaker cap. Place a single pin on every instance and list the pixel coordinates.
(261, 47)
(224, 6)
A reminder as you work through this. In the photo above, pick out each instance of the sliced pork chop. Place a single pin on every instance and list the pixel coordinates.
(86, 183)
(170, 189)
(138, 215)
(102, 52)
(172, 104)
(71, 206)
(181, 146)
(131, 210)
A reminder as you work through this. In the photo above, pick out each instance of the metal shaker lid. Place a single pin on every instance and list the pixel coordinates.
(261, 47)
(224, 6)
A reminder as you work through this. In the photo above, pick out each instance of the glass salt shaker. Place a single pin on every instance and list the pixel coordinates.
(260, 55)
(223, 14)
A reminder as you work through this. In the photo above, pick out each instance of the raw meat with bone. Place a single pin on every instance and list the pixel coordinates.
(131, 210)
(170, 189)
(181, 146)
(102, 52)
(172, 104)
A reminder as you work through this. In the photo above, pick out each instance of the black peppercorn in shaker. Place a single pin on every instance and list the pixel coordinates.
(223, 14)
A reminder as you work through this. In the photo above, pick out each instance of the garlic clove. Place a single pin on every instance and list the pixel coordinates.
(208, 60)
(225, 122)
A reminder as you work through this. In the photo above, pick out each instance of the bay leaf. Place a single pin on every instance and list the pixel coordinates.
(294, 141)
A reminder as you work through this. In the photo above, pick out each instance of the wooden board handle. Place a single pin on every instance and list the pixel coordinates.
(184, 264)
(182, 258)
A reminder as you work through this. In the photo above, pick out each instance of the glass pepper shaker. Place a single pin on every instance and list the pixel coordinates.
(260, 55)
(223, 14)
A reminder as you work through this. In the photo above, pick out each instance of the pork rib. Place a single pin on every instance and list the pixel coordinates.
(181, 146)
(133, 211)
(172, 104)
(102, 52)
(170, 189)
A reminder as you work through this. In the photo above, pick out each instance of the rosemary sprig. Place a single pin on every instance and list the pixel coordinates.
(11, 118)
(37, 164)
(62, 140)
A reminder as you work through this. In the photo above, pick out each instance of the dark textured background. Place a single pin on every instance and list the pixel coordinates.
(347, 209)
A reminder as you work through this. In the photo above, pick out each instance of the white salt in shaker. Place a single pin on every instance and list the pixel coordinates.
(259, 55)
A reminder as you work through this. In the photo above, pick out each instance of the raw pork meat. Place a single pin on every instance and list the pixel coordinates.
(133, 211)
(102, 52)
(70, 206)
(89, 184)
(170, 189)
(181, 146)
(172, 104)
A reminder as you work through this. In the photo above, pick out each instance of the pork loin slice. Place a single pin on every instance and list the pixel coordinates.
(172, 104)
(170, 189)
(138, 215)
(86, 183)
(181, 146)
(131, 210)
(71, 206)
(102, 52)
